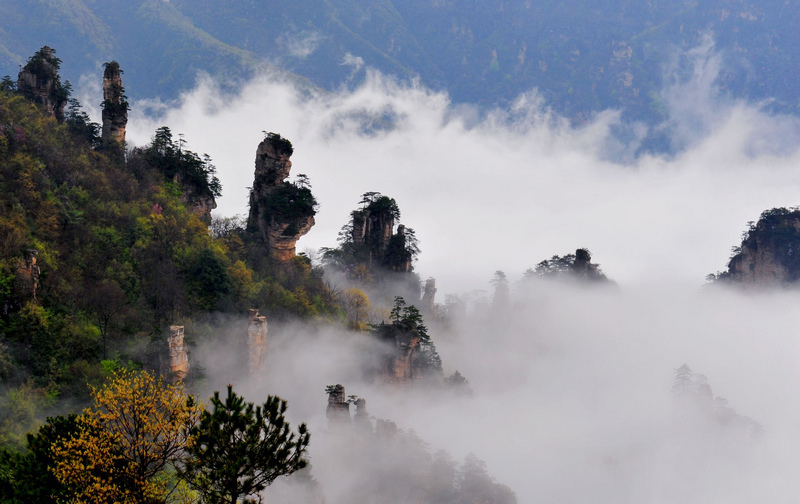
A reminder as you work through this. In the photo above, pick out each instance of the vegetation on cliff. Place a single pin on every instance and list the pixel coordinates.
(375, 254)
(100, 254)
(769, 253)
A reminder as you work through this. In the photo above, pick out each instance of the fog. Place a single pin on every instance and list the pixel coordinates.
(572, 398)
(507, 188)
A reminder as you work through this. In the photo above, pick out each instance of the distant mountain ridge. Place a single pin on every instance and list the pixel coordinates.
(583, 57)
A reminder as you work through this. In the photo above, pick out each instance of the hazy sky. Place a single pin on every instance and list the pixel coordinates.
(572, 399)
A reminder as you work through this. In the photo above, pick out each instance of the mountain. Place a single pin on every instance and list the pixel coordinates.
(583, 57)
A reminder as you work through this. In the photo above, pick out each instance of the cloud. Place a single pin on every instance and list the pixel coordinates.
(502, 189)
(301, 44)
(572, 398)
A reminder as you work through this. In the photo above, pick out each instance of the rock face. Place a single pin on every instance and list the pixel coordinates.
(39, 82)
(280, 212)
(361, 418)
(373, 235)
(256, 341)
(115, 107)
(372, 228)
(200, 202)
(178, 353)
(770, 252)
(429, 298)
(402, 365)
(28, 272)
(338, 410)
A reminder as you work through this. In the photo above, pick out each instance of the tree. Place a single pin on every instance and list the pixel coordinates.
(239, 449)
(356, 305)
(137, 428)
(684, 381)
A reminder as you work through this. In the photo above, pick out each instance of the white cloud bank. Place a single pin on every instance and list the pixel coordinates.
(572, 396)
(506, 189)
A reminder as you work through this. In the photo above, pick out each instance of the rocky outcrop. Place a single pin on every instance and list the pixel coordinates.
(429, 298)
(201, 202)
(373, 228)
(28, 272)
(577, 266)
(280, 212)
(361, 421)
(256, 342)
(39, 82)
(115, 106)
(770, 251)
(338, 410)
(583, 267)
(178, 353)
(373, 238)
(406, 343)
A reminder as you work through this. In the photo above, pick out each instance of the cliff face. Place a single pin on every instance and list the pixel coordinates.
(372, 228)
(770, 252)
(39, 82)
(115, 107)
(373, 237)
(280, 212)
(402, 366)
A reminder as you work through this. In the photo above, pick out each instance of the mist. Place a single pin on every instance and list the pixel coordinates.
(571, 387)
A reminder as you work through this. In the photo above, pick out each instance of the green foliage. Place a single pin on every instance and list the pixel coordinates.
(775, 232)
(208, 280)
(119, 105)
(407, 325)
(186, 166)
(44, 66)
(239, 449)
(370, 249)
(555, 266)
(289, 201)
(81, 125)
(119, 257)
(280, 144)
(29, 478)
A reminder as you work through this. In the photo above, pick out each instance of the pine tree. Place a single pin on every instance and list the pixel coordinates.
(239, 449)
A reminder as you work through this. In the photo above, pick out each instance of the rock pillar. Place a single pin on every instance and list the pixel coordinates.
(338, 411)
(115, 107)
(429, 298)
(178, 353)
(29, 272)
(256, 341)
(39, 82)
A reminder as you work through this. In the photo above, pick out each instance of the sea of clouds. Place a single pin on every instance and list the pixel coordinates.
(571, 388)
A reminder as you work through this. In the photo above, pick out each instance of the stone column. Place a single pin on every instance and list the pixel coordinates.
(178, 353)
(256, 341)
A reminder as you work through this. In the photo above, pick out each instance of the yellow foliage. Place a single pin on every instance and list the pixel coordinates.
(136, 428)
(356, 304)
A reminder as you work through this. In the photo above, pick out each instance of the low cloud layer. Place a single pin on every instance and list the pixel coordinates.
(572, 395)
(504, 189)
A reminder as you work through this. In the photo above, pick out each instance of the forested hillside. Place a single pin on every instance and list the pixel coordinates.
(100, 254)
